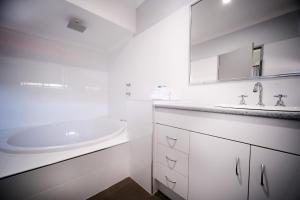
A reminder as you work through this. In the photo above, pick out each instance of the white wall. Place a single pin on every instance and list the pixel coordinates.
(156, 56)
(145, 62)
(44, 81)
(139, 118)
(20, 45)
(159, 56)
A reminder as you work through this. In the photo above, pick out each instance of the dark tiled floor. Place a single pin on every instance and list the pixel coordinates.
(126, 190)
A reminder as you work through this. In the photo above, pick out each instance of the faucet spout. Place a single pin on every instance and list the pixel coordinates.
(258, 87)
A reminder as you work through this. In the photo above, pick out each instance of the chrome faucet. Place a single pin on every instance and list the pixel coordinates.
(258, 87)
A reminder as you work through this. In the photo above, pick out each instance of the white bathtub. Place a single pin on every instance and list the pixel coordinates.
(70, 160)
(62, 136)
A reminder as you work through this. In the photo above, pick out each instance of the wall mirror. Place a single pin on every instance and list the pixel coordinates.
(242, 39)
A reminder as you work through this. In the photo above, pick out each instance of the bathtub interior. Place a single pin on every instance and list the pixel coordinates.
(65, 133)
(35, 150)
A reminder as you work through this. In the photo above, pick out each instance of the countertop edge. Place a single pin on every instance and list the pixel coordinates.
(287, 115)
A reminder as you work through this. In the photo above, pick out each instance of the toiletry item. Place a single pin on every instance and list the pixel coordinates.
(162, 92)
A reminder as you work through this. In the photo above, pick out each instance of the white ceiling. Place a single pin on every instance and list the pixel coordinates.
(211, 19)
(49, 18)
(138, 2)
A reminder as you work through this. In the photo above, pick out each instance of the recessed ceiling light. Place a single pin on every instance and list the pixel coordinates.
(226, 1)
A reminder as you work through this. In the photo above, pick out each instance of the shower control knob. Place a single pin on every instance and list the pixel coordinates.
(128, 93)
(243, 102)
(280, 102)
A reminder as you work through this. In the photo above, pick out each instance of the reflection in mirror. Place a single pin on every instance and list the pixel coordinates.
(244, 40)
(204, 70)
(235, 64)
(282, 53)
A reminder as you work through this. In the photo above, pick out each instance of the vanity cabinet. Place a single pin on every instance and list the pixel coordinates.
(171, 158)
(227, 157)
(274, 175)
(219, 169)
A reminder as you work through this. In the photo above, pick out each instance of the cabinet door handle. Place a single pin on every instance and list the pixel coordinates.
(262, 171)
(237, 162)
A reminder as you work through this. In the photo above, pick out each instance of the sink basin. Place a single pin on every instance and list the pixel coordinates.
(256, 107)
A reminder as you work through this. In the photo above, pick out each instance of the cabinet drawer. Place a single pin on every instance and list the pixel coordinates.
(173, 138)
(173, 159)
(173, 180)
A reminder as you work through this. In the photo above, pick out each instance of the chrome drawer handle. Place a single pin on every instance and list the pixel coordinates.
(173, 139)
(171, 166)
(171, 159)
(169, 180)
(262, 171)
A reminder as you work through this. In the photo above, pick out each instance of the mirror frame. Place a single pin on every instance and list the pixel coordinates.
(287, 75)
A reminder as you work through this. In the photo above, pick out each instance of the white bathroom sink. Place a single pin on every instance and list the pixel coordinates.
(256, 107)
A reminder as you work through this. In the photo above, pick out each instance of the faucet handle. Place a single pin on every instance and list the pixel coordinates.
(280, 101)
(243, 102)
(280, 95)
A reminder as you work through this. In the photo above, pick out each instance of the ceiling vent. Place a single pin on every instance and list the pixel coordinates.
(76, 25)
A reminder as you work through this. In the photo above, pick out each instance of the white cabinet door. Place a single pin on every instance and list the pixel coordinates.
(219, 169)
(277, 179)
